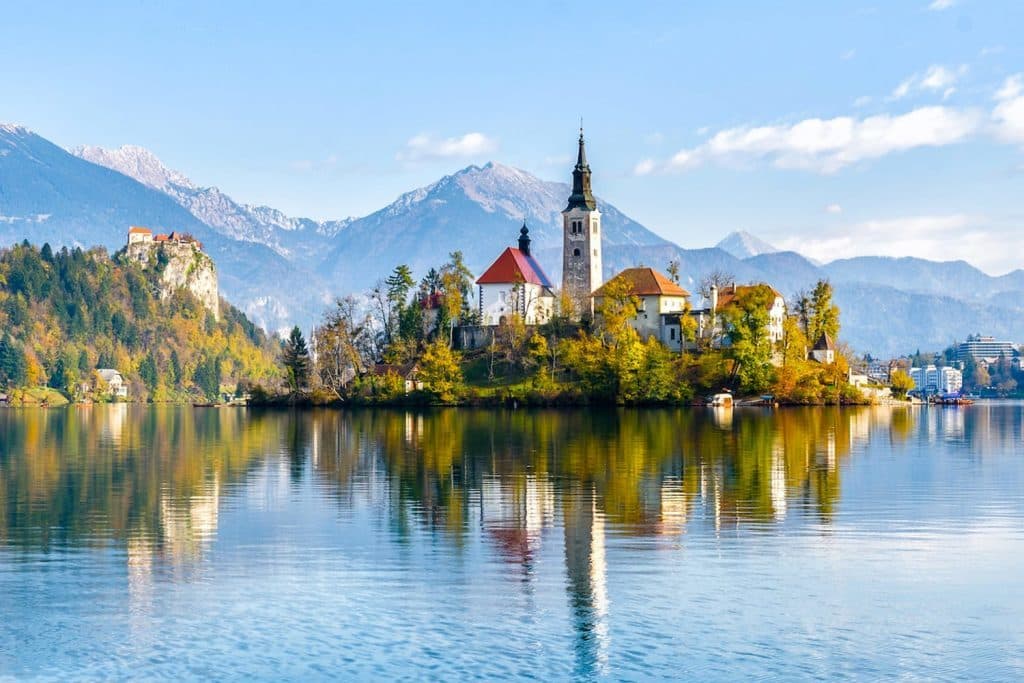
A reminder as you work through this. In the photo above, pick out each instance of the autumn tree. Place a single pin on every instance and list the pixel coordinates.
(900, 382)
(344, 345)
(440, 371)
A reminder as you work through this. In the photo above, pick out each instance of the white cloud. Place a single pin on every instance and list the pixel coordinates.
(939, 5)
(833, 208)
(936, 78)
(826, 145)
(862, 101)
(426, 146)
(1008, 114)
(948, 237)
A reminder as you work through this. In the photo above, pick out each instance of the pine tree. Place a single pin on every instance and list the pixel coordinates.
(296, 360)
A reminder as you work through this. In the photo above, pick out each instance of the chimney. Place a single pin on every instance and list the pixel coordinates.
(714, 298)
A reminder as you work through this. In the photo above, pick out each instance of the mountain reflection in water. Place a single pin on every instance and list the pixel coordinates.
(500, 493)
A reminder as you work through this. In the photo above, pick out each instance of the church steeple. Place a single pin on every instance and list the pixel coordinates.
(524, 239)
(581, 197)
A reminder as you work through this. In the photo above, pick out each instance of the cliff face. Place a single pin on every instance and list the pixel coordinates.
(183, 265)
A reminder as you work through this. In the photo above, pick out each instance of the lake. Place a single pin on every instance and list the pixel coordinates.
(176, 542)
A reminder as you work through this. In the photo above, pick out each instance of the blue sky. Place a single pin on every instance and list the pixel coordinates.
(836, 128)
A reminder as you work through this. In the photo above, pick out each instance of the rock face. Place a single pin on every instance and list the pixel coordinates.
(183, 265)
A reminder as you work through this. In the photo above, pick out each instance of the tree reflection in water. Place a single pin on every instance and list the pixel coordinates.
(151, 480)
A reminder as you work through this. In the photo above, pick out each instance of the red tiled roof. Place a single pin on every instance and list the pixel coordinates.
(161, 238)
(646, 282)
(139, 230)
(727, 295)
(514, 266)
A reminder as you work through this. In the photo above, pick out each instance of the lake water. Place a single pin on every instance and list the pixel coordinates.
(152, 542)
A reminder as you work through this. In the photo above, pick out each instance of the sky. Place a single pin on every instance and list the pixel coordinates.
(832, 128)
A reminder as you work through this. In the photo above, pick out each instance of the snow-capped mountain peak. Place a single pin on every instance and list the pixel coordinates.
(135, 162)
(742, 244)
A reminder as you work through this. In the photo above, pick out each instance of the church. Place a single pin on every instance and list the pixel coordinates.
(516, 284)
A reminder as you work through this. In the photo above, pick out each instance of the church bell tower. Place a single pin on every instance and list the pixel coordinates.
(581, 243)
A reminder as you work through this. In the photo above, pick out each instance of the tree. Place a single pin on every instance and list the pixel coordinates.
(901, 383)
(344, 346)
(824, 315)
(750, 346)
(617, 308)
(13, 366)
(440, 371)
(673, 270)
(296, 361)
(717, 278)
(148, 372)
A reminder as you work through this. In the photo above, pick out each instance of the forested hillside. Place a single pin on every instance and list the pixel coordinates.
(65, 314)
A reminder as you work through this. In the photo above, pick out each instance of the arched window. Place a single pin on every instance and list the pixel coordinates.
(575, 252)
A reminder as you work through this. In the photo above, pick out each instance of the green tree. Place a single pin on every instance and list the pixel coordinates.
(296, 361)
(824, 315)
(148, 372)
(750, 347)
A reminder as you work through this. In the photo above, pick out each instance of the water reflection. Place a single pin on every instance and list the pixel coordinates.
(155, 477)
(153, 482)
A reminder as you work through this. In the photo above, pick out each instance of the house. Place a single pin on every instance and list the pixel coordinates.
(139, 235)
(408, 373)
(660, 303)
(515, 284)
(824, 350)
(114, 382)
(709, 319)
(776, 307)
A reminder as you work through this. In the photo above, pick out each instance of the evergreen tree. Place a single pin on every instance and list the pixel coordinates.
(148, 372)
(296, 360)
(58, 377)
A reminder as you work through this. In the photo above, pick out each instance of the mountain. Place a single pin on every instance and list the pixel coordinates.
(50, 195)
(477, 210)
(742, 244)
(283, 270)
(290, 237)
(958, 279)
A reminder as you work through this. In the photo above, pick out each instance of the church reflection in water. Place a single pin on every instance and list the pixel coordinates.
(521, 483)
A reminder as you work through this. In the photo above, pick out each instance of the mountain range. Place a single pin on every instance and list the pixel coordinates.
(283, 270)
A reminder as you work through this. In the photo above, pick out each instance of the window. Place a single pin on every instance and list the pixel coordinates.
(594, 229)
(595, 252)
(575, 252)
(672, 333)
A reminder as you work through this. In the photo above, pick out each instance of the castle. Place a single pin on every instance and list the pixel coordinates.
(185, 265)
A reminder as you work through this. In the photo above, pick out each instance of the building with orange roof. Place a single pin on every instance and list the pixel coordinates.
(515, 284)
(138, 235)
(661, 302)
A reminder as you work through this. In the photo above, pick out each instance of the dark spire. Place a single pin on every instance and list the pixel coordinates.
(581, 196)
(524, 239)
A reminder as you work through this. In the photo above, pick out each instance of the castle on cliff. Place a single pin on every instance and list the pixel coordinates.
(183, 261)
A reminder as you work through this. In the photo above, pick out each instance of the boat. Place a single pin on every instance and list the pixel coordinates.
(952, 399)
(723, 400)
(206, 405)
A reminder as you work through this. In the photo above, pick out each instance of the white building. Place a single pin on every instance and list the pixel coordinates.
(930, 379)
(709, 319)
(661, 301)
(114, 381)
(515, 284)
(985, 349)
